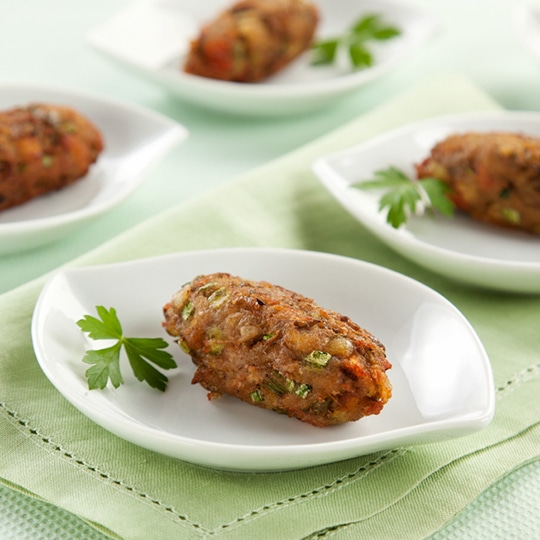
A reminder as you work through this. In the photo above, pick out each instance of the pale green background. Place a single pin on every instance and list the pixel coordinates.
(42, 42)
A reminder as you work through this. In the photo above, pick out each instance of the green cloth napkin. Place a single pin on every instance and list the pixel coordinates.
(52, 452)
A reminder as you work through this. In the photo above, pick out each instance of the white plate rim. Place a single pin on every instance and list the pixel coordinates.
(526, 22)
(301, 455)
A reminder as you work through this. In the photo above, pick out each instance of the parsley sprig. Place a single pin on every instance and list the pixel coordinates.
(405, 196)
(140, 351)
(355, 41)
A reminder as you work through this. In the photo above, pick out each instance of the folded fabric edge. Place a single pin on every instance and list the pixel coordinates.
(476, 508)
(46, 515)
(354, 530)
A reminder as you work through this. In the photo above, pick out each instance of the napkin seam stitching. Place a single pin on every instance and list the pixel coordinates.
(320, 491)
(21, 423)
(521, 377)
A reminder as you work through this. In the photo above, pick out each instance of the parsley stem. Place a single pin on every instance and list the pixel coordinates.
(141, 353)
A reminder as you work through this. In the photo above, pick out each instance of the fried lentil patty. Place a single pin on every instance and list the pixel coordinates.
(252, 40)
(43, 148)
(493, 176)
(276, 349)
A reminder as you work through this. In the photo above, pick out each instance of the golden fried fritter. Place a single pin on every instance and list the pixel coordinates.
(252, 40)
(494, 177)
(278, 350)
(43, 148)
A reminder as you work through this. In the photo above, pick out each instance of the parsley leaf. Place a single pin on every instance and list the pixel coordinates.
(360, 55)
(437, 192)
(325, 52)
(405, 196)
(355, 41)
(106, 365)
(140, 351)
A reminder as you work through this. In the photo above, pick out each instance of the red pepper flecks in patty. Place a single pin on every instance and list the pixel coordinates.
(43, 148)
(493, 176)
(276, 349)
(252, 40)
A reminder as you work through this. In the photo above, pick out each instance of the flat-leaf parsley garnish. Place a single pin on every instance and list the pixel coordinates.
(355, 41)
(404, 196)
(140, 352)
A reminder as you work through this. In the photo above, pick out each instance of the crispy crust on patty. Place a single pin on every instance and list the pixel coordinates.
(43, 148)
(252, 40)
(494, 177)
(276, 349)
